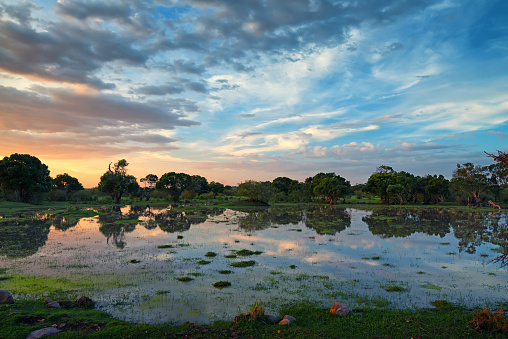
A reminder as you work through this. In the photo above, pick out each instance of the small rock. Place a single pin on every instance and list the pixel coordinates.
(84, 302)
(285, 322)
(53, 304)
(288, 319)
(6, 297)
(42, 333)
(339, 309)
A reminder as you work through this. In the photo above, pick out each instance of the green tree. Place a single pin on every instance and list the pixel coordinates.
(216, 188)
(437, 188)
(117, 182)
(199, 184)
(174, 184)
(331, 188)
(23, 176)
(66, 183)
(378, 184)
(256, 191)
(149, 183)
(471, 182)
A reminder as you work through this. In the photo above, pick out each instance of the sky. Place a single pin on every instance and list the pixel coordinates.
(237, 90)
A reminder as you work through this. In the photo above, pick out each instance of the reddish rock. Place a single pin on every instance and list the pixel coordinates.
(339, 309)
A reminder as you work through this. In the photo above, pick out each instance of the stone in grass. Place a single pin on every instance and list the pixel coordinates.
(51, 303)
(42, 333)
(288, 319)
(6, 297)
(339, 309)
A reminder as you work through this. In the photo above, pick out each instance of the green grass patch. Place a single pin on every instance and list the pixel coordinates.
(204, 262)
(225, 271)
(431, 287)
(230, 256)
(394, 288)
(243, 263)
(245, 253)
(165, 246)
(210, 254)
(184, 279)
(221, 284)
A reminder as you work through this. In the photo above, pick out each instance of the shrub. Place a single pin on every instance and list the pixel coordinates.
(485, 320)
(57, 195)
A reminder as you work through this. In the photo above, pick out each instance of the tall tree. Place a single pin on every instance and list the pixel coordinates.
(149, 185)
(66, 183)
(256, 191)
(117, 182)
(330, 186)
(471, 181)
(23, 176)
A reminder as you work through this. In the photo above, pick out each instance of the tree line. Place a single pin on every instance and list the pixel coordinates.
(25, 178)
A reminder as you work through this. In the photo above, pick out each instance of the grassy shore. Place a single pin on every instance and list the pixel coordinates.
(445, 321)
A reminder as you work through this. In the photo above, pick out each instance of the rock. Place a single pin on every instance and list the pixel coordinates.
(42, 333)
(84, 302)
(6, 297)
(339, 309)
(288, 319)
(53, 304)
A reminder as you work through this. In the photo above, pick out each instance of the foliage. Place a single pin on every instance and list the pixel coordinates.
(329, 186)
(471, 182)
(174, 184)
(117, 182)
(149, 183)
(487, 321)
(216, 188)
(66, 183)
(23, 176)
(256, 191)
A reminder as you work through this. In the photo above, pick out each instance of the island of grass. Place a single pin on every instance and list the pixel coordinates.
(246, 253)
(243, 263)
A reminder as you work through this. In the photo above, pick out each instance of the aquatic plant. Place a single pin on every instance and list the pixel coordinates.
(221, 284)
(244, 263)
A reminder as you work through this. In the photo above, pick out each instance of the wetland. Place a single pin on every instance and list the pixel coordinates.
(160, 264)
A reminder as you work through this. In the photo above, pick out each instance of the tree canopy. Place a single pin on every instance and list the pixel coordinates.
(117, 182)
(66, 183)
(22, 176)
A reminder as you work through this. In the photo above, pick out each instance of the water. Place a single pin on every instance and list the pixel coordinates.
(316, 254)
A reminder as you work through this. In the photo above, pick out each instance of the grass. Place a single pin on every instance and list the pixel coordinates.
(243, 263)
(444, 321)
(184, 279)
(245, 253)
(210, 254)
(204, 262)
(222, 284)
(394, 288)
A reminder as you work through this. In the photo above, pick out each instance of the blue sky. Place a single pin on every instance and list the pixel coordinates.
(236, 90)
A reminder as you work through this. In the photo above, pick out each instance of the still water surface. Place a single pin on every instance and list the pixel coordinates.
(319, 254)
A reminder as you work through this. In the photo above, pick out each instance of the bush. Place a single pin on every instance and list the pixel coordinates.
(57, 195)
(82, 196)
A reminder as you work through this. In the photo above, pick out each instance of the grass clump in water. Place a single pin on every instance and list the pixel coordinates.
(230, 256)
(245, 253)
(431, 287)
(244, 263)
(210, 254)
(394, 288)
(204, 262)
(165, 246)
(135, 261)
(225, 271)
(184, 279)
(222, 284)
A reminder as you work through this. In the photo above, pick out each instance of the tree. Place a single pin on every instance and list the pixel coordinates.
(174, 184)
(471, 181)
(437, 188)
(199, 184)
(378, 184)
(331, 188)
(66, 183)
(256, 191)
(149, 185)
(216, 188)
(117, 182)
(23, 176)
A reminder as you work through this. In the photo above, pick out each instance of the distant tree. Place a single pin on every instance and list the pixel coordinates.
(378, 184)
(216, 188)
(174, 184)
(437, 188)
(199, 184)
(330, 187)
(471, 181)
(384, 169)
(66, 183)
(117, 182)
(23, 176)
(149, 183)
(256, 191)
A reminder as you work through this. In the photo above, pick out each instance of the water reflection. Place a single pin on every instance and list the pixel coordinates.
(19, 239)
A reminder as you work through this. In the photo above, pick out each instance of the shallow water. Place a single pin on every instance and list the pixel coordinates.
(320, 254)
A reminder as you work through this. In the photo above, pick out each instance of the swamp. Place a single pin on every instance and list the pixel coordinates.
(163, 264)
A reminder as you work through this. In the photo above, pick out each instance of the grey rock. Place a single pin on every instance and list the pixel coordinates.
(6, 297)
(271, 318)
(43, 333)
(339, 309)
